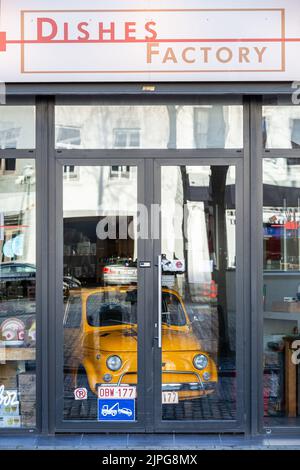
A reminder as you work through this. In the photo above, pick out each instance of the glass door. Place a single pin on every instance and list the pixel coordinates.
(150, 321)
(199, 313)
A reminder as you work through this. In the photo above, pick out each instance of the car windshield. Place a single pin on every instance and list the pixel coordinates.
(118, 308)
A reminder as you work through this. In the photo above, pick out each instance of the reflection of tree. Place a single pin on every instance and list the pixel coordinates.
(217, 193)
(185, 192)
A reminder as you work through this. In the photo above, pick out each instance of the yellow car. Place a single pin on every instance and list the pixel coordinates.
(103, 351)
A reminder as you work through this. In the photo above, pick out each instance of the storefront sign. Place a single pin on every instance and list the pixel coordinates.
(145, 41)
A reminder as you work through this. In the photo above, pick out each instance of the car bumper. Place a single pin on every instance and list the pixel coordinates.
(119, 280)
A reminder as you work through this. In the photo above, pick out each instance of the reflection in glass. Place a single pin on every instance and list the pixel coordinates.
(17, 127)
(17, 293)
(134, 127)
(198, 282)
(100, 285)
(281, 127)
(281, 289)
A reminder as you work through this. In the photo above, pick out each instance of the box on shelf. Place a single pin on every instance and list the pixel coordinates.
(27, 386)
(8, 375)
(289, 307)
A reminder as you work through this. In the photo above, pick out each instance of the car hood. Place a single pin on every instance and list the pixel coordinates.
(176, 340)
(125, 339)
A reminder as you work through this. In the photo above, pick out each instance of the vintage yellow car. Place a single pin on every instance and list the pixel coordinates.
(103, 350)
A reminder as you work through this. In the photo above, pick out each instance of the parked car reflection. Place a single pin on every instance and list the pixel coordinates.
(17, 280)
(120, 272)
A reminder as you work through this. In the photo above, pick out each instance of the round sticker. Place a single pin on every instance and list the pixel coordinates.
(80, 394)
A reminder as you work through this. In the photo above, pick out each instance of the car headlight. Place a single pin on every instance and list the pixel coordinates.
(114, 363)
(200, 361)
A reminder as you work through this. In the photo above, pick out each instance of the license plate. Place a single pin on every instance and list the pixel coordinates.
(169, 398)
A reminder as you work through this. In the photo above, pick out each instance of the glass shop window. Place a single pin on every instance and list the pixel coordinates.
(17, 127)
(281, 290)
(17, 294)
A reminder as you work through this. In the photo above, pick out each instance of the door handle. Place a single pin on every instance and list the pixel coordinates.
(159, 296)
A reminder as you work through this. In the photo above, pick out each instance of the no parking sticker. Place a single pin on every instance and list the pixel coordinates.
(80, 394)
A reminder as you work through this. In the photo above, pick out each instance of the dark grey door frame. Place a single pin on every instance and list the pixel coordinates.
(149, 387)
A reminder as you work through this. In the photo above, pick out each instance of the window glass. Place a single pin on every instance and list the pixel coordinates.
(17, 128)
(161, 127)
(198, 243)
(17, 295)
(281, 290)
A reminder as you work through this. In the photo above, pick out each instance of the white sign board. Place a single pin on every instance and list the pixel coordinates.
(147, 40)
